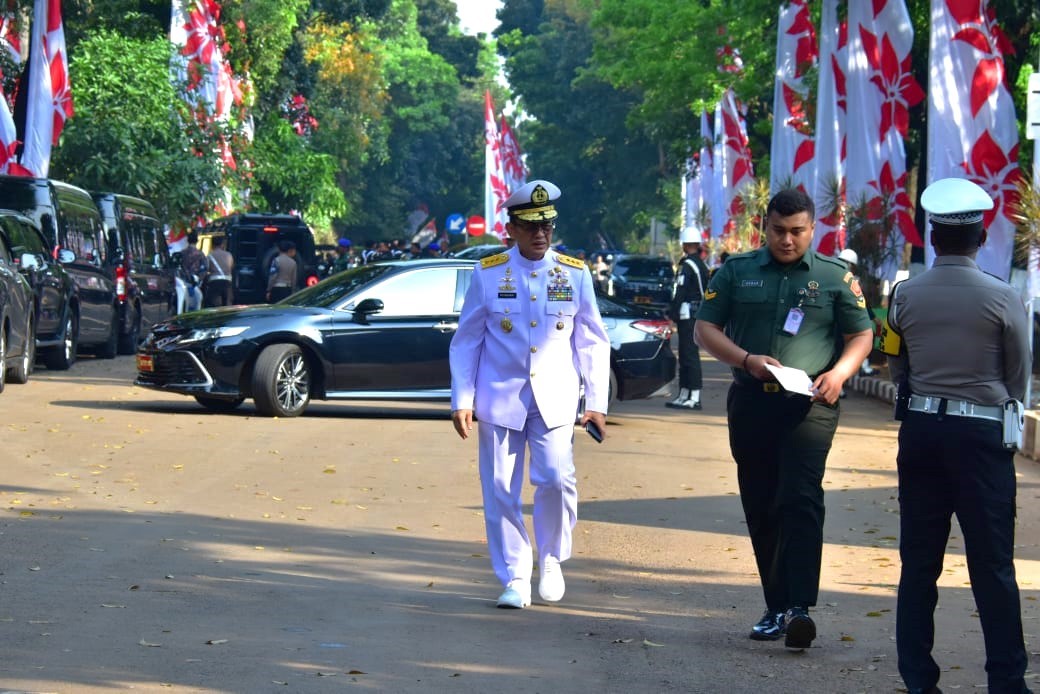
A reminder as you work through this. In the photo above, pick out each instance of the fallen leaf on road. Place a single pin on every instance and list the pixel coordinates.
(846, 637)
(622, 641)
(216, 642)
(120, 607)
(651, 644)
(149, 644)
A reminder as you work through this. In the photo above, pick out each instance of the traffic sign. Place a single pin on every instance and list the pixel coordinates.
(475, 225)
(1033, 107)
(455, 223)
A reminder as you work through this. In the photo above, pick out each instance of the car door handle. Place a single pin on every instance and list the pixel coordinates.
(445, 327)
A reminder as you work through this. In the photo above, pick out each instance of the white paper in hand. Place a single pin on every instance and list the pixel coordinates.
(792, 380)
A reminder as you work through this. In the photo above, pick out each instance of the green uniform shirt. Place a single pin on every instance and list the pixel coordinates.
(751, 296)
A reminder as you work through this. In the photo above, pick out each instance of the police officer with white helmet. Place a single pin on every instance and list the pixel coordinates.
(691, 279)
(958, 346)
(529, 334)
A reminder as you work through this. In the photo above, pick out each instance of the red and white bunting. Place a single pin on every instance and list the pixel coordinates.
(732, 164)
(881, 90)
(495, 191)
(972, 132)
(513, 169)
(829, 177)
(792, 149)
(39, 115)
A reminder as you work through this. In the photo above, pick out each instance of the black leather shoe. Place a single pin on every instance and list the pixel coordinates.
(769, 628)
(800, 630)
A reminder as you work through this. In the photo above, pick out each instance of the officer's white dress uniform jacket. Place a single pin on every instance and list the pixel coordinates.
(529, 333)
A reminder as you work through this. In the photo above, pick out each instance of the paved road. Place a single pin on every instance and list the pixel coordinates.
(148, 545)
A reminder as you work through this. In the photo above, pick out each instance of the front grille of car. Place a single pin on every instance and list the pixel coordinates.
(174, 368)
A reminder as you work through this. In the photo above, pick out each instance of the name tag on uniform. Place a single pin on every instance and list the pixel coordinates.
(507, 295)
(752, 283)
(794, 321)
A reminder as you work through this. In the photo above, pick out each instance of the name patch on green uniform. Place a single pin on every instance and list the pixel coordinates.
(752, 283)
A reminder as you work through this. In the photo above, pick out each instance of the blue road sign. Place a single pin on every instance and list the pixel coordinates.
(455, 223)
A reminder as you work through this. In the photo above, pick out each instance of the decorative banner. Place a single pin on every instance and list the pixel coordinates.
(972, 131)
(732, 164)
(514, 171)
(792, 150)
(698, 184)
(881, 90)
(495, 191)
(829, 178)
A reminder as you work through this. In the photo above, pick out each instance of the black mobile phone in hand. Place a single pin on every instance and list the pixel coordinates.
(594, 432)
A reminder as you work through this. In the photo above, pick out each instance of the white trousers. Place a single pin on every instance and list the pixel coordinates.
(501, 456)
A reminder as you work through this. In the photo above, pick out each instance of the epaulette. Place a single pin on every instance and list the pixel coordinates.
(493, 260)
(832, 260)
(568, 260)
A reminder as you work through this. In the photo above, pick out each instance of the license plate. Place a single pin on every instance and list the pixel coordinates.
(642, 300)
(145, 363)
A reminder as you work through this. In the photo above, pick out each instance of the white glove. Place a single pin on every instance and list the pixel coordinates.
(684, 310)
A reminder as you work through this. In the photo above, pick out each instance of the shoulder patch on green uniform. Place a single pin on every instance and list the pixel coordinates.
(493, 260)
(568, 260)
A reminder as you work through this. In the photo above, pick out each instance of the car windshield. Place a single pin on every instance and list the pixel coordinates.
(332, 290)
(643, 267)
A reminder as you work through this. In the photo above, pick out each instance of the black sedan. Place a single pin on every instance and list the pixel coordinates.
(17, 339)
(377, 332)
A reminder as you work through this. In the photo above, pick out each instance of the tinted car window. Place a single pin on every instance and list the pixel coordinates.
(331, 291)
(428, 292)
(23, 239)
(643, 267)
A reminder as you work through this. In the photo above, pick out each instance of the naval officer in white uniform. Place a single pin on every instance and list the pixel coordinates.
(529, 333)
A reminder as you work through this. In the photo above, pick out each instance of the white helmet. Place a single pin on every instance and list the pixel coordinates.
(691, 235)
(849, 256)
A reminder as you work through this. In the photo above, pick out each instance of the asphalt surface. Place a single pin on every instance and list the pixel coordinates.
(147, 545)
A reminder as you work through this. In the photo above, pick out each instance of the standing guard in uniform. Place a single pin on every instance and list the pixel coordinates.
(281, 280)
(956, 441)
(220, 267)
(529, 335)
(690, 281)
(784, 305)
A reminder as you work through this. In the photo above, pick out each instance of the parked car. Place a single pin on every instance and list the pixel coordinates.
(55, 298)
(481, 251)
(70, 221)
(376, 332)
(252, 239)
(641, 279)
(17, 341)
(138, 260)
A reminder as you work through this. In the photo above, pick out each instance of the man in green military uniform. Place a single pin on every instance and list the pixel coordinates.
(784, 306)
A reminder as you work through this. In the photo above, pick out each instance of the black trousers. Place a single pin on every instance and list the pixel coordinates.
(217, 293)
(689, 357)
(957, 465)
(780, 443)
(279, 293)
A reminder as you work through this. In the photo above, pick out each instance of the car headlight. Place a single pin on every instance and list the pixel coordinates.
(206, 334)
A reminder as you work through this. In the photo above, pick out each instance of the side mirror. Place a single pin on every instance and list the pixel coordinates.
(366, 308)
(65, 256)
(29, 261)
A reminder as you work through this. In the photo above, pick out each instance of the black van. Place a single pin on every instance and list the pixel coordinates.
(70, 221)
(252, 239)
(139, 263)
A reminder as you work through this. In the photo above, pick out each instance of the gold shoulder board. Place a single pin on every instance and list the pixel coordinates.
(493, 260)
(568, 260)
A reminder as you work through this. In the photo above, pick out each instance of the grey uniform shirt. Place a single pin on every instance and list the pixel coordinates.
(283, 272)
(965, 334)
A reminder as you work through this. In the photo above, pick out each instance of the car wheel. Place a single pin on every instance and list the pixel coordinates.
(110, 348)
(3, 357)
(612, 394)
(281, 381)
(23, 366)
(128, 342)
(218, 404)
(62, 357)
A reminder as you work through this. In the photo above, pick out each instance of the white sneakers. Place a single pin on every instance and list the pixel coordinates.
(551, 587)
(550, 582)
(516, 596)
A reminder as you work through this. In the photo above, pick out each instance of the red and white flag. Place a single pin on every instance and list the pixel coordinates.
(513, 169)
(792, 149)
(10, 37)
(881, 90)
(972, 132)
(58, 61)
(732, 164)
(829, 176)
(40, 109)
(495, 191)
